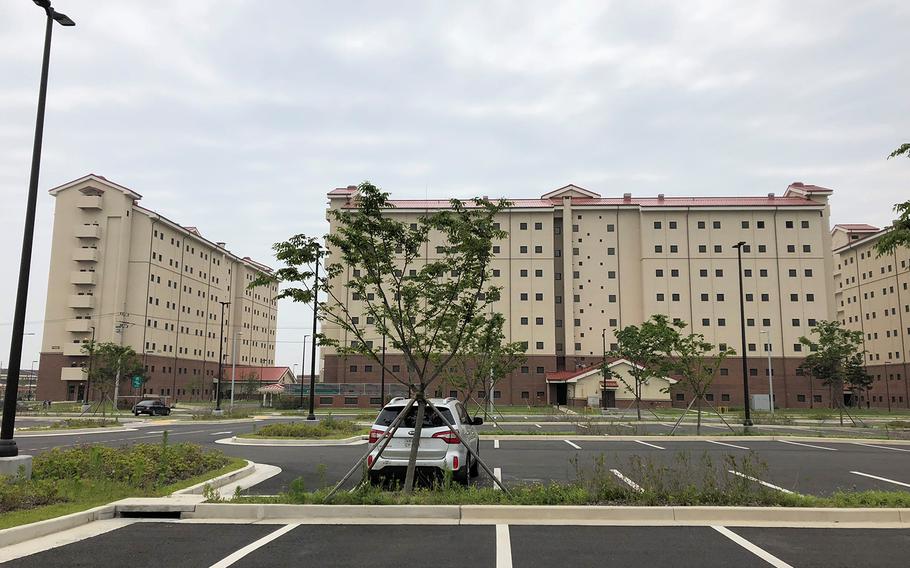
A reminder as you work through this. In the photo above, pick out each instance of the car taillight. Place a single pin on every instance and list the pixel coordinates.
(375, 435)
(447, 436)
(455, 462)
(370, 461)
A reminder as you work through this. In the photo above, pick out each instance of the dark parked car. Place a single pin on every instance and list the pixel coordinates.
(152, 408)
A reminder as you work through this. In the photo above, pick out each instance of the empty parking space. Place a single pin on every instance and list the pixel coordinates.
(341, 546)
(833, 548)
(152, 545)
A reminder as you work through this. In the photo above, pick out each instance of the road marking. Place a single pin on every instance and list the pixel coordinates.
(495, 444)
(727, 444)
(627, 481)
(581, 425)
(574, 445)
(538, 425)
(497, 473)
(901, 483)
(765, 483)
(220, 433)
(807, 445)
(156, 431)
(625, 425)
(503, 547)
(647, 444)
(881, 447)
(760, 552)
(253, 546)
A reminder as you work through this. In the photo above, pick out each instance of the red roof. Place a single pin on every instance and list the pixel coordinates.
(810, 188)
(343, 190)
(264, 374)
(858, 227)
(619, 201)
(568, 375)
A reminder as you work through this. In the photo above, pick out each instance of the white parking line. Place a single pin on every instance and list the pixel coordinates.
(647, 444)
(627, 481)
(760, 552)
(156, 431)
(807, 445)
(220, 433)
(881, 447)
(497, 473)
(574, 445)
(253, 546)
(759, 481)
(503, 547)
(495, 444)
(538, 425)
(901, 483)
(727, 444)
(581, 426)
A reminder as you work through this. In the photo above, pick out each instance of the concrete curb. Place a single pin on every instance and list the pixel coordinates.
(238, 441)
(547, 515)
(15, 535)
(219, 481)
(774, 438)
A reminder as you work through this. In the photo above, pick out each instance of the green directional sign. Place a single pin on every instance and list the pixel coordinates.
(137, 382)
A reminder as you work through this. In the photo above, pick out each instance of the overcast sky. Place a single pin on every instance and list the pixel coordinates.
(238, 116)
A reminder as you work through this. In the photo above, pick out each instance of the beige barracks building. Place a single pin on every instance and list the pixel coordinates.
(872, 295)
(575, 264)
(125, 274)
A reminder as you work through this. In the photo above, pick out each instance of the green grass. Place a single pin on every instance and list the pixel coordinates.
(76, 423)
(84, 494)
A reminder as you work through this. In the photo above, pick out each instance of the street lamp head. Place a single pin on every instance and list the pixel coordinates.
(739, 245)
(43, 3)
(62, 19)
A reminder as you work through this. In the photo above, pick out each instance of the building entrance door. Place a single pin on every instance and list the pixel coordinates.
(562, 396)
(609, 399)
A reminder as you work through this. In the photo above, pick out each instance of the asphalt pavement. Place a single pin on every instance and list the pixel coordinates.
(181, 544)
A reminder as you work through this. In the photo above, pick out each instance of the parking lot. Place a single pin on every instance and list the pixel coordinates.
(185, 544)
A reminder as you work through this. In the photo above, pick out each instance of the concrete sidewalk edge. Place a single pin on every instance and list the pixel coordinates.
(15, 535)
(219, 481)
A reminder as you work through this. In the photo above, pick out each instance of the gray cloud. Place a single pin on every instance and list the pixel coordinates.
(237, 116)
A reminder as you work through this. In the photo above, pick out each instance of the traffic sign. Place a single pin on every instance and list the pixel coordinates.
(137, 382)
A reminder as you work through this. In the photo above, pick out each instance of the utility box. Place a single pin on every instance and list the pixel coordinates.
(594, 401)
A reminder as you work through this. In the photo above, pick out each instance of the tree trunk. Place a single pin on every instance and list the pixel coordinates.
(638, 399)
(415, 443)
(698, 422)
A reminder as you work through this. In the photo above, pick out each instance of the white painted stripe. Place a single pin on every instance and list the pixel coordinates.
(901, 483)
(626, 425)
(495, 444)
(156, 431)
(627, 481)
(574, 445)
(760, 552)
(881, 447)
(538, 425)
(497, 473)
(765, 483)
(253, 546)
(727, 444)
(503, 547)
(652, 445)
(807, 445)
(581, 425)
(220, 433)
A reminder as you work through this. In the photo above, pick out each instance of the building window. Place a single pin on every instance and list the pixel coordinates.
(657, 224)
(523, 226)
(701, 224)
(800, 398)
(538, 226)
(788, 224)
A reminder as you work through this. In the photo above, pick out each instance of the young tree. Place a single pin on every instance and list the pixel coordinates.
(484, 360)
(646, 348)
(422, 298)
(110, 364)
(856, 378)
(899, 233)
(836, 359)
(696, 362)
(250, 384)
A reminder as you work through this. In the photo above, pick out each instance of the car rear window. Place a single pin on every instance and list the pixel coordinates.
(430, 418)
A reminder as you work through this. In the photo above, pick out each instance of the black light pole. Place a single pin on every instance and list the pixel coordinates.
(220, 360)
(302, 370)
(8, 446)
(312, 414)
(603, 390)
(88, 376)
(747, 421)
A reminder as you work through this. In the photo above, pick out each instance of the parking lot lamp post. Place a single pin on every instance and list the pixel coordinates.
(234, 366)
(887, 385)
(382, 376)
(747, 421)
(312, 413)
(303, 368)
(220, 360)
(8, 446)
(770, 370)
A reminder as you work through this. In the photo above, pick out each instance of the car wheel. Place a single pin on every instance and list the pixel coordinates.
(135, 413)
(167, 412)
(375, 478)
(462, 474)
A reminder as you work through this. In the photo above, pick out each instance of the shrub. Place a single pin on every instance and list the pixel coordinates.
(327, 427)
(18, 494)
(141, 465)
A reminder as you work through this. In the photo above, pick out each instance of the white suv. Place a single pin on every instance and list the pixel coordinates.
(439, 448)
